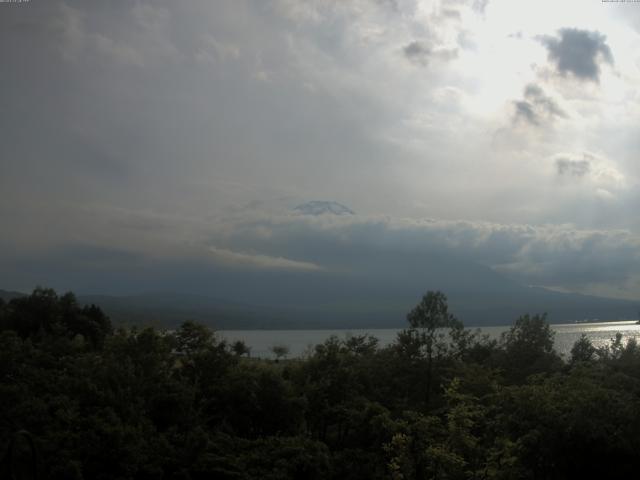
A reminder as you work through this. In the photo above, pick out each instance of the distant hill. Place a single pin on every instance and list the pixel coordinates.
(477, 295)
(7, 295)
(169, 310)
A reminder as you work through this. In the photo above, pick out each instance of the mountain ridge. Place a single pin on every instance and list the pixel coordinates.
(166, 309)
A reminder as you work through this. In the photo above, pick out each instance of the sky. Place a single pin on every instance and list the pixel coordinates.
(155, 144)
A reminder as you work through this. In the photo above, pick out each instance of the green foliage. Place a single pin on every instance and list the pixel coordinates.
(531, 334)
(434, 331)
(240, 348)
(432, 320)
(44, 313)
(280, 351)
(193, 338)
(583, 350)
(81, 401)
(528, 348)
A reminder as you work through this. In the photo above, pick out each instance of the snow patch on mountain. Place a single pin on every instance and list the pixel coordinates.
(320, 207)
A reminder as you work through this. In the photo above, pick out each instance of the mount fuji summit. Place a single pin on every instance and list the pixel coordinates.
(320, 207)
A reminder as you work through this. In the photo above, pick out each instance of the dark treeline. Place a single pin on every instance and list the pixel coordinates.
(80, 399)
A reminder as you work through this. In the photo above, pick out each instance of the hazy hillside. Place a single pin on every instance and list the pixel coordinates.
(171, 309)
(8, 295)
(474, 309)
(477, 295)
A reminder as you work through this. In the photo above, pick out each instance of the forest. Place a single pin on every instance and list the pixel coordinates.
(81, 398)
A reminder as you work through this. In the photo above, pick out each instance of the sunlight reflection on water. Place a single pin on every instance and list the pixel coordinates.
(300, 342)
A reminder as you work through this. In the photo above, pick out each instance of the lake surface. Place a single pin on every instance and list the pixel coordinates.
(301, 342)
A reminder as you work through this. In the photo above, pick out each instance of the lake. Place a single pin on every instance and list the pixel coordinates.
(300, 342)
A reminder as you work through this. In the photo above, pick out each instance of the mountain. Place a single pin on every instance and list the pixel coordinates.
(320, 207)
(169, 310)
(362, 310)
(477, 295)
(369, 294)
(7, 295)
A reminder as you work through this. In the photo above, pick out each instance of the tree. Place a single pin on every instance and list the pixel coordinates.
(430, 318)
(37, 313)
(240, 348)
(45, 313)
(280, 351)
(583, 350)
(21, 459)
(361, 344)
(531, 333)
(528, 347)
(193, 338)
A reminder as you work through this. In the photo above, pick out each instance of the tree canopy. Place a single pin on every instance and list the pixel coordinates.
(82, 400)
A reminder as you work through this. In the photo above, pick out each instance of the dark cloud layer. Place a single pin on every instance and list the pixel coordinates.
(530, 254)
(578, 52)
(399, 254)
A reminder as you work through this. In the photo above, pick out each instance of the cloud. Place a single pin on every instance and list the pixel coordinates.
(537, 108)
(451, 13)
(536, 95)
(260, 261)
(580, 259)
(151, 17)
(578, 52)
(444, 33)
(524, 110)
(143, 33)
(421, 52)
(366, 248)
(155, 131)
(576, 168)
(70, 24)
(601, 172)
(416, 49)
(480, 5)
(379, 247)
(212, 50)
